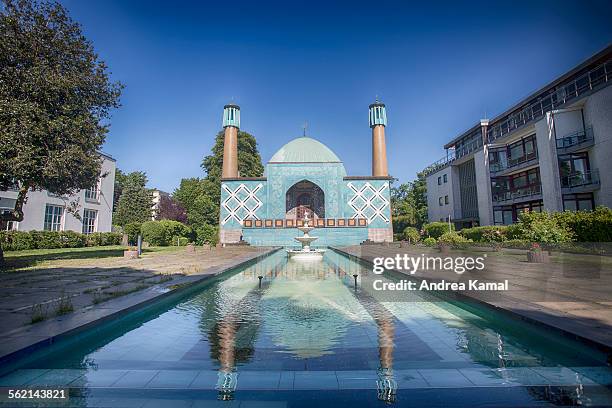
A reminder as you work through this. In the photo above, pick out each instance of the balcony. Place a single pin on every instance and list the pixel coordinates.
(518, 195)
(512, 165)
(575, 141)
(550, 100)
(581, 182)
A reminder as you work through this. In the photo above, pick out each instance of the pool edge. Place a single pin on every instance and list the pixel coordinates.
(456, 295)
(134, 302)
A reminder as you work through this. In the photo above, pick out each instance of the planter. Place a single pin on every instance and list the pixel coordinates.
(130, 254)
(444, 249)
(190, 248)
(537, 256)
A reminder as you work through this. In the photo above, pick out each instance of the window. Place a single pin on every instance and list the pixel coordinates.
(508, 214)
(445, 178)
(574, 169)
(577, 202)
(445, 199)
(89, 221)
(53, 217)
(440, 201)
(93, 193)
(439, 180)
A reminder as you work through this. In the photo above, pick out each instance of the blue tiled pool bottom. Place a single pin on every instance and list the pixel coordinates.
(307, 336)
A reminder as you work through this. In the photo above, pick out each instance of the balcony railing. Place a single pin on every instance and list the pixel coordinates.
(575, 138)
(518, 193)
(494, 168)
(439, 164)
(554, 99)
(561, 95)
(580, 179)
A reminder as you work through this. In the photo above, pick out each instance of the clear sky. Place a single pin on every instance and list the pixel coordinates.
(439, 67)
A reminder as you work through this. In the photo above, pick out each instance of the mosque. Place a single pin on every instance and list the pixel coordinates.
(305, 177)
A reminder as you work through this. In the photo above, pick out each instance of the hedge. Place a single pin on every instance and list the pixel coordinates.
(588, 226)
(24, 240)
(491, 233)
(164, 232)
(437, 229)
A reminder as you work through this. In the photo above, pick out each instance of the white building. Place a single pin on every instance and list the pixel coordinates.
(46, 211)
(551, 152)
(157, 197)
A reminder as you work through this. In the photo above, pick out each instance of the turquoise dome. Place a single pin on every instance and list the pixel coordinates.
(304, 150)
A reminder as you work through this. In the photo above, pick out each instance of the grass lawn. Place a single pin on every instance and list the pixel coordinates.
(20, 260)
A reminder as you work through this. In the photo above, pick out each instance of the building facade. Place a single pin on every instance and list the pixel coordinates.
(304, 177)
(549, 152)
(46, 211)
(157, 198)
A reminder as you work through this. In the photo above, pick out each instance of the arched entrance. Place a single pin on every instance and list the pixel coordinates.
(305, 197)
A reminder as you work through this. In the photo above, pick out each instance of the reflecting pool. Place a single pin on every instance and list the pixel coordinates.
(306, 334)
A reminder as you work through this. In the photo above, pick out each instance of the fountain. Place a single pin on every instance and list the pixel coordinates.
(306, 252)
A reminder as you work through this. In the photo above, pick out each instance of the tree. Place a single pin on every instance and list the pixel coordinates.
(201, 197)
(409, 204)
(55, 103)
(137, 178)
(249, 160)
(136, 201)
(171, 209)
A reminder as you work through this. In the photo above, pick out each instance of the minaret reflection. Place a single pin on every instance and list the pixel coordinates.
(386, 384)
(234, 332)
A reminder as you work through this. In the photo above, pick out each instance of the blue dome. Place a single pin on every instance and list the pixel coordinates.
(304, 150)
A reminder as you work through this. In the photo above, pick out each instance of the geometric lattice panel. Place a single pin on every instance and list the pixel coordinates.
(369, 202)
(241, 203)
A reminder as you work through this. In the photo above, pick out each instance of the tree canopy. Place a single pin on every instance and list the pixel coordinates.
(409, 204)
(135, 203)
(201, 196)
(56, 96)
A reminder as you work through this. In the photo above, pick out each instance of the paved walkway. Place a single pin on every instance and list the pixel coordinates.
(572, 292)
(98, 288)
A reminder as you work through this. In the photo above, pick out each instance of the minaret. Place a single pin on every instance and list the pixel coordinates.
(378, 121)
(231, 124)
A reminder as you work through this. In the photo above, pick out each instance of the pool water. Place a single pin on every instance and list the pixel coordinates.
(306, 335)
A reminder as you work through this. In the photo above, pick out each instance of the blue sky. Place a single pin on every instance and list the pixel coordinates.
(439, 67)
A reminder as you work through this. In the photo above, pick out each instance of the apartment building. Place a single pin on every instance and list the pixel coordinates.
(46, 211)
(550, 152)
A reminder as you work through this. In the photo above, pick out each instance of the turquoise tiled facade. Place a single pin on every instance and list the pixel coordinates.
(305, 159)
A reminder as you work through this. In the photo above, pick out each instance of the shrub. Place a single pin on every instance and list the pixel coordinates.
(400, 223)
(494, 233)
(429, 241)
(180, 241)
(46, 239)
(207, 234)
(437, 229)
(132, 230)
(588, 226)
(542, 228)
(103, 238)
(517, 244)
(71, 239)
(452, 238)
(411, 234)
(25, 240)
(164, 232)
(16, 240)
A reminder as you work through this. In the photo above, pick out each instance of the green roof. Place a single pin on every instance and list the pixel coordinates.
(304, 150)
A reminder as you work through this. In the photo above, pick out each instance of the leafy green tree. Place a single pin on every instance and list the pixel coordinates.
(188, 191)
(409, 204)
(249, 160)
(55, 102)
(201, 197)
(137, 178)
(136, 201)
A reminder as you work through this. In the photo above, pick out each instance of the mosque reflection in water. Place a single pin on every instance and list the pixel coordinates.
(303, 309)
